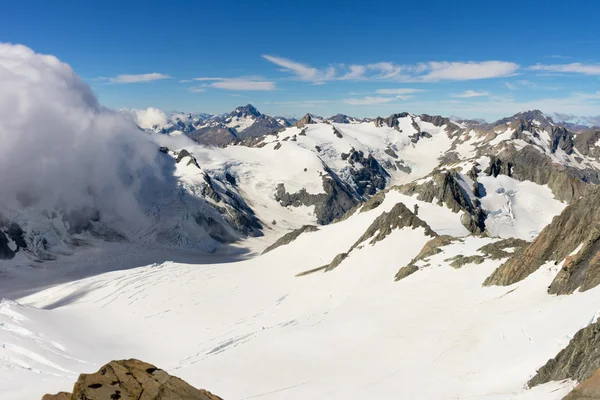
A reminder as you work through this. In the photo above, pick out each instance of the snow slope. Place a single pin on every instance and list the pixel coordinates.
(253, 330)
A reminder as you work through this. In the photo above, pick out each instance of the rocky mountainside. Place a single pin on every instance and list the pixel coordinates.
(329, 167)
(570, 238)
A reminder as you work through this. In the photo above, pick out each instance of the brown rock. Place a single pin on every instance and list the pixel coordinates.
(57, 396)
(132, 380)
(588, 389)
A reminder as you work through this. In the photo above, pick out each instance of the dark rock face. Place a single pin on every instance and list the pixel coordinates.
(263, 125)
(585, 142)
(418, 135)
(578, 361)
(290, 237)
(397, 218)
(369, 176)
(10, 232)
(578, 223)
(132, 380)
(498, 167)
(246, 111)
(337, 260)
(391, 121)
(581, 270)
(444, 187)
(440, 121)
(214, 135)
(339, 119)
(406, 271)
(529, 164)
(337, 199)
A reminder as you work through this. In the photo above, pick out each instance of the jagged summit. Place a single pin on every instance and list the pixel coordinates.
(245, 111)
(306, 120)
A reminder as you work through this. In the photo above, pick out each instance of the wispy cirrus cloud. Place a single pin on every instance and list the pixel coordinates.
(527, 84)
(575, 68)
(240, 83)
(368, 100)
(399, 91)
(135, 78)
(470, 93)
(302, 71)
(388, 71)
(464, 71)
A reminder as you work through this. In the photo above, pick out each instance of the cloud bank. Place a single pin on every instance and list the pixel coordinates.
(60, 149)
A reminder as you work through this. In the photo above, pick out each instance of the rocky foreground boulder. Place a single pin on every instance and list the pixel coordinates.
(132, 380)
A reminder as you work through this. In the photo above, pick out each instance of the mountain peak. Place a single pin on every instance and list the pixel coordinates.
(307, 119)
(245, 111)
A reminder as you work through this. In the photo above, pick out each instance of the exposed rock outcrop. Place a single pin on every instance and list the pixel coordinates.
(334, 203)
(306, 120)
(290, 237)
(214, 135)
(577, 224)
(186, 154)
(391, 121)
(368, 176)
(589, 389)
(444, 188)
(132, 380)
(529, 164)
(431, 248)
(397, 218)
(578, 361)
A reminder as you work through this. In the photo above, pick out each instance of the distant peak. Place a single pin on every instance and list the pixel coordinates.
(246, 110)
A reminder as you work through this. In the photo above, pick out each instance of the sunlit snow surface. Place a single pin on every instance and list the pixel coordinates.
(252, 329)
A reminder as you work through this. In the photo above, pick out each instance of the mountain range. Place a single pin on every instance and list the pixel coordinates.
(452, 252)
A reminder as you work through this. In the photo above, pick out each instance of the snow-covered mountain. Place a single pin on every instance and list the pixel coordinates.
(410, 256)
(209, 129)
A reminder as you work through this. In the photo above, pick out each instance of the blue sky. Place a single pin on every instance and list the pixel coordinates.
(468, 58)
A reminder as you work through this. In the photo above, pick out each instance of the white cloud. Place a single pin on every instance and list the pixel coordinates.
(463, 71)
(194, 89)
(147, 118)
(241, 83)
(388, 71)
(399, 91)
(577, 68)
(368, 100)
(302, 71)
(87, 158)
(356, 72)
(138, 78)
(523, 83)
(470, 93)
(298, 102)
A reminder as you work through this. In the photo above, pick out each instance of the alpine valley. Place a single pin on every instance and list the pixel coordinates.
(404, 256)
